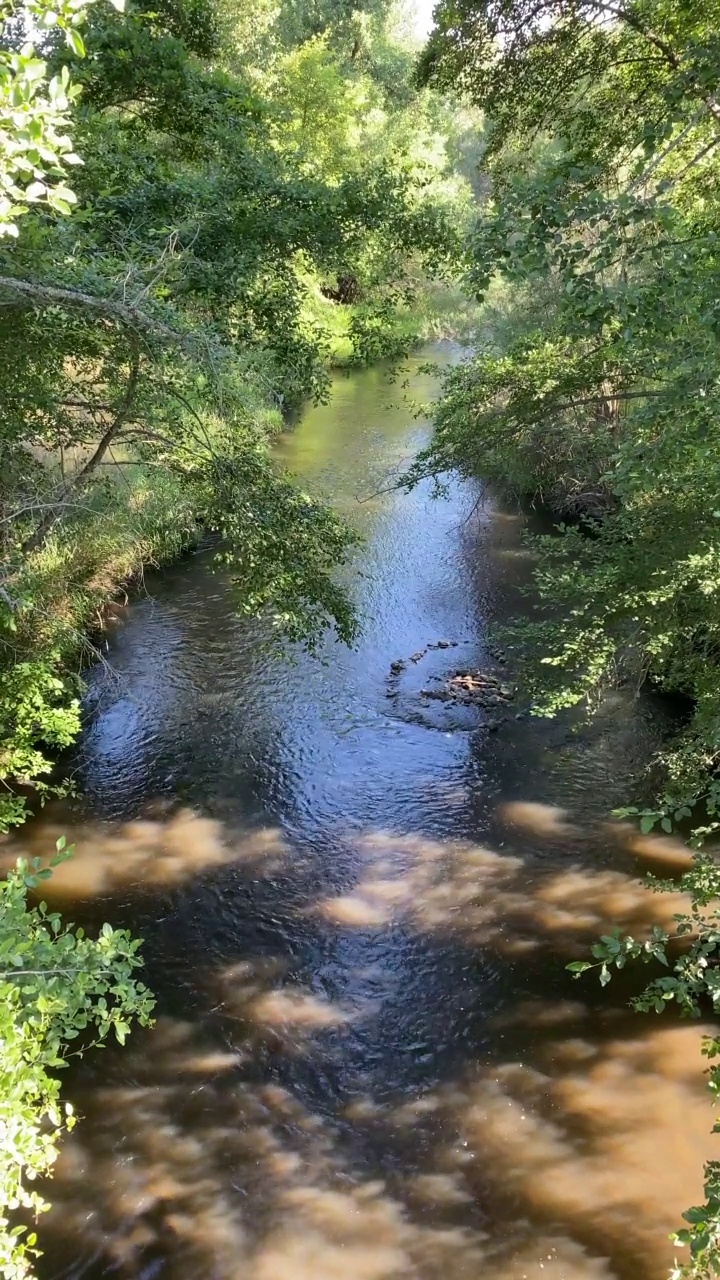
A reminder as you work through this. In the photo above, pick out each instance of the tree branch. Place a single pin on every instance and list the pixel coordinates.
(50, 295)
(42, 506)
(631, 20)
(106, 439)
(614, 395)
(643, 178)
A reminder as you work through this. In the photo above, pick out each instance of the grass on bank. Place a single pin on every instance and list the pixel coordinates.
(434, 311)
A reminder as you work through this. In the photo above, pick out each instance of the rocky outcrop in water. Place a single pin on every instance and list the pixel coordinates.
(460, 687)
(471, 689)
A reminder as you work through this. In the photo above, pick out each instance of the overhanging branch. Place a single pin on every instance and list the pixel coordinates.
(50, 295)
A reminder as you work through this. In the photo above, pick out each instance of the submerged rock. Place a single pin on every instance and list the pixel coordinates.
(470, 688)
(465, 686)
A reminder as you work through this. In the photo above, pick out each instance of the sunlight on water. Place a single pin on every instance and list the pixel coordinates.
(142, 852)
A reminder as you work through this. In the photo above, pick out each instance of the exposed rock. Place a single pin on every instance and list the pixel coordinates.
(466, 687)
(471, 689)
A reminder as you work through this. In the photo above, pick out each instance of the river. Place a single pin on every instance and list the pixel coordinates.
(369, 1062)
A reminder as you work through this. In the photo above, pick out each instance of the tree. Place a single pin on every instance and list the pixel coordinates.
(604, 216)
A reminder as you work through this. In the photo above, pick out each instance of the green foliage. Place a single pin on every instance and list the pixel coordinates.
(692, 984)
(35, 111)
(254, 507)
(37, 706)
(61, 992)
(600, 396)
(322, 114)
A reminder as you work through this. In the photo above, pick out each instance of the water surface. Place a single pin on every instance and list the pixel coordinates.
(369, 1062)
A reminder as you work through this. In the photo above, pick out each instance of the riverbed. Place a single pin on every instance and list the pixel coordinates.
(357, 905)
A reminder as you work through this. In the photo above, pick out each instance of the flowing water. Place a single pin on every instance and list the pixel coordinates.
(357, 904)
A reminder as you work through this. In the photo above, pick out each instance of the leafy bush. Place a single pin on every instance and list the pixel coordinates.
(61, 992)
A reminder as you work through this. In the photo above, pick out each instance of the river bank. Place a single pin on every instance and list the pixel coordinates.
(356, 914)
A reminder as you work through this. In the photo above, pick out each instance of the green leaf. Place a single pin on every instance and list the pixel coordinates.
(74, 39)
(58, 204)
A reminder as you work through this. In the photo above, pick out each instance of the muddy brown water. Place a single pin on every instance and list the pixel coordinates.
(369, 1062)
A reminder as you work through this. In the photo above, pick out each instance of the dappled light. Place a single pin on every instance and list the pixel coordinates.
(146, 852)
(660, 854)
(574, 1137)
(539, 819)
(296, 1009)
(370, 1062)
(256, 1141)
(375, 802)
(239, 1177)
(486, 897)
